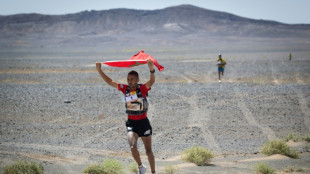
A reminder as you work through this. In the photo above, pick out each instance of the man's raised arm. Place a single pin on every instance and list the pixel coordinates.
(107, 79)
(152, 75)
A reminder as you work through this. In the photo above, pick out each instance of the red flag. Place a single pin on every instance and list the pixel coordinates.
(125, 63)
(142, 56)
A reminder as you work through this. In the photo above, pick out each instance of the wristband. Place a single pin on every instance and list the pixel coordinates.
(152, 71)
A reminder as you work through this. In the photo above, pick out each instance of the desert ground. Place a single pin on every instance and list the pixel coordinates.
(56, 109)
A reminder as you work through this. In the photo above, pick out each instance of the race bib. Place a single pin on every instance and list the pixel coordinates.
(135, 105)
(131, 98)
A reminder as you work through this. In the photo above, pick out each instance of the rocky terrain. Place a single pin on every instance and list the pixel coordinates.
(55, 108)
(58, 111)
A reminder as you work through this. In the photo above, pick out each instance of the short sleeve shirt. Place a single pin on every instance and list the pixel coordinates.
(223, 61)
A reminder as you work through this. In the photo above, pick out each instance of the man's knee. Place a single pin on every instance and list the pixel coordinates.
(133, 145)
(132, 140)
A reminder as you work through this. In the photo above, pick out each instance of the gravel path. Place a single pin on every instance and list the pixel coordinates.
(63, 114)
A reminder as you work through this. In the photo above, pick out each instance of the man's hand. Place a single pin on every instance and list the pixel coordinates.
(107, 79)
(150, 63)
(98, 66)
(149, 83)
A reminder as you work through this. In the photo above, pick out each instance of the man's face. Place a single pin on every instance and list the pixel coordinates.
(132, 81)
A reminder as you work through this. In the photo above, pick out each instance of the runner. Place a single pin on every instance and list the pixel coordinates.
(137, 124)
(221, 65)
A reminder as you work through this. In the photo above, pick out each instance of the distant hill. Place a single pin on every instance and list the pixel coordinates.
(179, 25)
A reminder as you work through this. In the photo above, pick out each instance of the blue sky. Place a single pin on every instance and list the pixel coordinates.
(286, 11)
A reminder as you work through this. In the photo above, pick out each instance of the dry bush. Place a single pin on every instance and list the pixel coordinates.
(291, 169)
(198, 155)
(306, 138)
(171, 169)
(294, 137)
(23, 167)
(133, 167)
(279, 147)
(108, 166)
(262, 168)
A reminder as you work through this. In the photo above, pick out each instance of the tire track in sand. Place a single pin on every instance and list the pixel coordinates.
(187, 79)
(303, 104)
(275, 80)
(150, 115)
(199, 117)
(301, 99)
(250, 118)
(151, 111)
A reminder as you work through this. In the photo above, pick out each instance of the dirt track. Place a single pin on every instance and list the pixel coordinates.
(262, 97)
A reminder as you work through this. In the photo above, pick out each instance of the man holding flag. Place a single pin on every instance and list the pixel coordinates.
(138, 125)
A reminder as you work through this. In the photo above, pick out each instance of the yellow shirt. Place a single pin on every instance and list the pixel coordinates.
(222, 64)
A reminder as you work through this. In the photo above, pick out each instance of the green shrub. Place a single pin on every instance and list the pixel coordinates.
(108, 166)
(198, 155)
(299, 170)
(306, 138)
(171, 169)
(291, 169)
(292, 137)
(95, 169)
(262, 168)
(133, 167)
(290, 56)
(278, 147)
(23, 167)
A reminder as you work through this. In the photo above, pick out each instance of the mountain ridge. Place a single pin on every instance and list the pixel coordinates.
(171, 24)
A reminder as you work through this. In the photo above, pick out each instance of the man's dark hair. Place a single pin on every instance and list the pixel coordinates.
(134, 73)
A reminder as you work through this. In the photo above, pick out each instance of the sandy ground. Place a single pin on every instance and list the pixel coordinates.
(263, 96)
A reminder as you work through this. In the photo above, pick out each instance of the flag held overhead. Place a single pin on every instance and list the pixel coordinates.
(125, 63)
(136, 60)
(143, 56)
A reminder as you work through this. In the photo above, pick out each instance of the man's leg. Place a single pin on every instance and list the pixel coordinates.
(132, 140)
(147, 141)
(222, 73)
(219, 75)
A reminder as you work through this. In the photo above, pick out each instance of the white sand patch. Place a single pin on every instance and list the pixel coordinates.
(272, 157)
